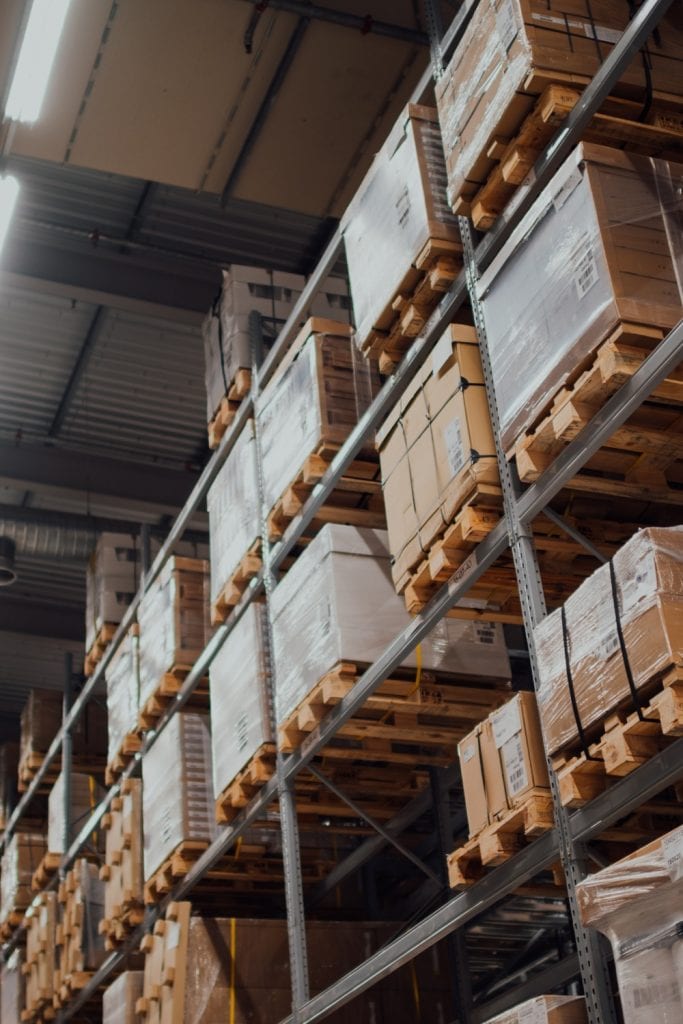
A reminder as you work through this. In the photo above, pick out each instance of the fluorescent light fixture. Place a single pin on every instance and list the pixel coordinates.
(36, 57)
(9, 192)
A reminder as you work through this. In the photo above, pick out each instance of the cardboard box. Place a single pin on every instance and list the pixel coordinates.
(599, 247)
(12, 998)
(122, 872)
(85, 793)
(436, 448)
(41, 718)
(122, 676)
(400, 205)
(120, 997)
(337, 603)
(21, 857)
(502, 762)
(545, 1010)
(112, 579)
(41, 961)
(512, 49)
(649, 577)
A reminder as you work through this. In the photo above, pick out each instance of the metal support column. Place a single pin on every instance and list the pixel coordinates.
(67, 751)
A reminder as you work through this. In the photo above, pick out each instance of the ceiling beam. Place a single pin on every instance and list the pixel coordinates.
(18, 615)
(363, 23)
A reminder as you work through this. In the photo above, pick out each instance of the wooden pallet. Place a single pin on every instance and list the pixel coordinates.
(357, 499)
(246, 784)
(48, 867)
(617, 123)
(32, 761)
(131, 745)
(400, 720)
(423, 287)
(122, 873)
(231, 594)
(99, 645)
(11, 922)
(626, 742)
(502, 839)
(227, 410)
(164, 695)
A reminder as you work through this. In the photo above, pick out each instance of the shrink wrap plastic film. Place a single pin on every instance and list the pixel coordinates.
(399, 206)
(118, 1000)
(41, 718)
(545, 1010)
(122, 676)
(234, 510)
(638, 904)
(174, 621)
(337, 603)
(177, 795)
(639, 595)
(240, 711)
(602, 244)
(20, 859)
(11, 990)
(85, 794)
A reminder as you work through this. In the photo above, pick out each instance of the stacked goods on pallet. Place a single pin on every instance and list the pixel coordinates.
(12, 986)
(122, 872)
(80, 946)
(402, 243)
(506, 786)
(41, 718)
(545, 1010)
(9, 774)
(335, 612)
(21, 857)
(636, 902)
(305, 414)
(241, 734)
(610, 664)
(120, 998)
(174, 626)
(517, 74)
(599, 251)
(122, 676)
(439, 471)
(234, 525)
(228, 354)
(177, 797)
(211, 969)
(39, 968)
(84, 795)
(111, 581)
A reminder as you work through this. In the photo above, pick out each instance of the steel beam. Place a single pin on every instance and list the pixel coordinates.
(80, 366)
(366, 25)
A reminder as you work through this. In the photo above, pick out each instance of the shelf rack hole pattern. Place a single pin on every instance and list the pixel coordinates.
(583, 824)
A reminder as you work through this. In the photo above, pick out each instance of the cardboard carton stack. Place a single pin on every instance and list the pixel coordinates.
(21, 857)
(122, 872)
(41, 718)
(12, 985)
(122, 676)
(545, 1010)
(120, 998)
(84, 795)
(111, 582)
(80, 947)
(39, 968)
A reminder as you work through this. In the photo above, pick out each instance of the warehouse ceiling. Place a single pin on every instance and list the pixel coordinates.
(176, 137)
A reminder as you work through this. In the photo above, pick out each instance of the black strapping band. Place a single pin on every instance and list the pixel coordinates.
(622, 645)
(570, 682)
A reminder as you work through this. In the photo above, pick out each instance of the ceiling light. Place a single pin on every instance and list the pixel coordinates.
(36, 57)
(9, 191)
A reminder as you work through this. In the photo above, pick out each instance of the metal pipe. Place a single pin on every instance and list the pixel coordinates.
(365, 24)
(67, 752)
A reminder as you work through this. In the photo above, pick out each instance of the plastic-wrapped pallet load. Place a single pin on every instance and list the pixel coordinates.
(111, 581)
(174, 622)
(85, 793)
(234, 513)
(638, 904)
(436, 450)
(21, 857)
(272, 294)
(122, 872)
(41, 977)
(584, 672)
(41, 718)
(122, 676)
(12, 999)
(600, 248)
(511, 51)
(177, 797)
(119, 998)
(337, 603)
(79, 942)
(399, 208)
(240, 714)
(545, 1010)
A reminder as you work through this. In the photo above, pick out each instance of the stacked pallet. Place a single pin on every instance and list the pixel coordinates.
(517, 74)
(122, 676)
(12, 989)
(121, 997)
(21, 857)
(84, 795)
(122, 873)
(545, 1010)
(40, 963)
(41, 718)
(111, 582)
(80, 948)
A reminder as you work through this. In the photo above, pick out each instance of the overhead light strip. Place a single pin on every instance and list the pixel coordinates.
(36, 57)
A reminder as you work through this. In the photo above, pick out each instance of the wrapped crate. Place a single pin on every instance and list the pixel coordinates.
(120, 998)
(80, 946)
(111, 581)
(590, 278)
(9, 771)
(234, 507)
(41, 719)
(178, 806)
(545, 1010)
(122, 676)
(636, 903)
(305, 413)
(41, 932)
(241, 734)
(336, 611)
(228, 356)
(174, 625)
(122, 872)
(438, 456)
(493, 122)
(21, 857)
(585, 696)
(402, 243)
(12, 985)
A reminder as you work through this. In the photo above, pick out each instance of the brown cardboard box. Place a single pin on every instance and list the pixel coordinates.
(545, 1010)
(12, 998)
(436, 449)
(119, 999)
(41, 921)
(41, 718)
(21, 857)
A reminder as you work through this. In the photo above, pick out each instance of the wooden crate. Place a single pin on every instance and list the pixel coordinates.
(122, 872)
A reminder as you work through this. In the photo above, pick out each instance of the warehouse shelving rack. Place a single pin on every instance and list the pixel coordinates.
(573, 831)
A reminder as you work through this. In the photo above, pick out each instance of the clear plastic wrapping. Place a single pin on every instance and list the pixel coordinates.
(20, 859)
(638, 904)
(122, 676)
(111, 581)
(174, 621)
(240, 713)
(234, 510)
(41, 718)
(337, 602)
(601, 245)
(177, 792)
(85, 794)
(12, 989)
(399, 206)
(545, 1010)
(119, 998)
(644, 595)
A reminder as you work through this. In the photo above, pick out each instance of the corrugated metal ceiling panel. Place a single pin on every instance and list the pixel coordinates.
(25, 665)
(49, 581)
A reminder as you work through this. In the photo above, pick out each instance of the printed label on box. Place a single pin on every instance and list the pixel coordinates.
(532, 1013)
(468, 753)
(641, 585)
(584, 267)
(608, 645)
(242, 730)
(516, 777)
(672, 848)
(506, 722)
(452, 436)
(485, 632)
